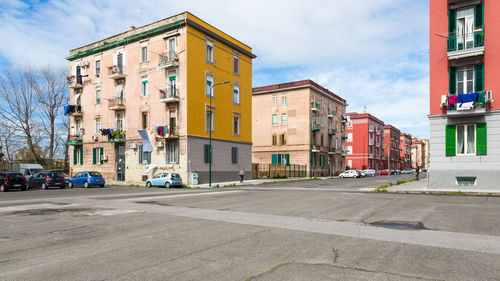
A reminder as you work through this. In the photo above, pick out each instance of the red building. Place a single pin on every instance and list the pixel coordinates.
(391, 149)
(365, 139)
(405, 148)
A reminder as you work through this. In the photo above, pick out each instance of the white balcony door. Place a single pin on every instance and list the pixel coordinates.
(465, 29)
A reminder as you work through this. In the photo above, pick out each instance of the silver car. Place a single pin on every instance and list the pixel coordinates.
(369, 173)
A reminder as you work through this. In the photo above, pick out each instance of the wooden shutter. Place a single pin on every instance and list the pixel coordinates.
(148, 157)
(451, 140)
(479, 15)
(279, 159)
(288, 159)
(453, 80)
(75, 156)
(81, 156)
(479, 77)
(452, 22)
(140, 154)
(94, 157)
(274, 159)
(481, 139)
(101, 149)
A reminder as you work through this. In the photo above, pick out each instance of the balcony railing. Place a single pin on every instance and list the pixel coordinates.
(344, 136)
(74, 82)
(169, 95)
(74, 110)
(117, 136)
(332, 150)
(315, 106)
(332, 132)
(315, 127)
(465, 104)
(116, 103)
(316, 148)
(116, 72)
(459, 42)
(332, 113)
(168, 59)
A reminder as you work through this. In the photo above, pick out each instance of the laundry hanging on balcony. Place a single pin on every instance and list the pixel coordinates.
(146, 143)
(451, 101)
(467, 101)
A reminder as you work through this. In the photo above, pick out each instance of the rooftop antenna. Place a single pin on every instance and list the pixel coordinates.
(364, 107)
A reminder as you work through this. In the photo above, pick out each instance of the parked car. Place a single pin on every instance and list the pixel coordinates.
(87, 179)
(394, 172)
(384, 172)
(369, 173)
(46, 180)
(66, 177)
(361, 174)
(408, 171)
(27, 170)
(165, 179)
(9, 180)
(350, 174)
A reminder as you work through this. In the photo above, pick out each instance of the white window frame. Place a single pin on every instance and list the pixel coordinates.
(171, 53)
(144, 87)
(465, 126)
(209, 89)
(465, 69)
(236, 94)
(207, 109)
(144, 55)
(274, 117)
(98, 96)
(285, 121)
(172, 84)
(97, 124)
(349, 137)
(98, 62)
(236, 57)
(236, 131)
(275, 101)
(210, 54)
(284, 100)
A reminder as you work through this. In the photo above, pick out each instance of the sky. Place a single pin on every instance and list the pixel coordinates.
(374, 54)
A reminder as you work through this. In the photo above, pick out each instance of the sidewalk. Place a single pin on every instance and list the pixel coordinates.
(421, 186)
(249, 182)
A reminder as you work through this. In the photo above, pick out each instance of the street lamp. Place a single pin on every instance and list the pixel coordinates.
(210, 134)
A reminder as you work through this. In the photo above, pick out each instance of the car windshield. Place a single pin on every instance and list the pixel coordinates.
(175, 175)
(95, 174)
(13, 176)
(56, 175)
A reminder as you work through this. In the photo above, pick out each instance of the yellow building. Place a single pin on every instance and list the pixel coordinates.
(162, 75)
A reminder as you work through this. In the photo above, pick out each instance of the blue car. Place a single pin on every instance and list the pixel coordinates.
(87, 179)
(165, 179)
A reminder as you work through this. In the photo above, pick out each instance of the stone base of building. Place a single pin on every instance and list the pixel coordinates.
(449, 180)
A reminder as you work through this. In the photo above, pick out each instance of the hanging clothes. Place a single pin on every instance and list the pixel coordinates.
(451, 101)
(66, 109)
(467, 101)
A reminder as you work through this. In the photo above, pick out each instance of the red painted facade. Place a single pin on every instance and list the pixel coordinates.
(405, 148)
(365, 140)
(392, 159)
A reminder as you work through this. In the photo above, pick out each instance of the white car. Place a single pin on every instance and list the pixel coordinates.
(350, 174)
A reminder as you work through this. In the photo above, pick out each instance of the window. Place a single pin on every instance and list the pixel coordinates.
(275, 140)
(209, 90)
(236, 94)
(172, 49)
(465, 28)
(349, 150)
(322, 160)
(78, 156)
(144, 86)
(120, 124)
(466, 139)
(349, 137)
(283, 100)
(465, 80)
(283, 119)
(236, 64)
(172, 84)
(283, 159)
(98, 66)
(119, 92)
(466, 181)
(97, 155)
(234, 155)
(275, 101)
(283, 139)
(275, 119)
(313, 159)
(97, 125)
(144, 53)
(210, 51)
(209, 119)
(144, 120)
(207, 155)
(144, 157)
(236, 124)
(172, 152)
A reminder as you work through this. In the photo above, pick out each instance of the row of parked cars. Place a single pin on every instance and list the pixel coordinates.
(372, 173)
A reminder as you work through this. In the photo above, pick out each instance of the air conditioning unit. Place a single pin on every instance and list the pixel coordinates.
(489, 96)
(95, 137)
(132, 146)
(85, 63)
(159, 144)
(444, 100)
(115, 69)
(104, 157)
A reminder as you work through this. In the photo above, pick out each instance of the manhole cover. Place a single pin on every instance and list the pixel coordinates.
(399, 225)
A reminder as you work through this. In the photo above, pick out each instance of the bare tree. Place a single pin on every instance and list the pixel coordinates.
(17, 105)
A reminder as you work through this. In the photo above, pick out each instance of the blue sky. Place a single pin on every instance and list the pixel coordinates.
(372, 53)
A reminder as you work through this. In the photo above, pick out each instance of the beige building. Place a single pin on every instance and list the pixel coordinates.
(419, 153)
(299, 123)
(145, 101)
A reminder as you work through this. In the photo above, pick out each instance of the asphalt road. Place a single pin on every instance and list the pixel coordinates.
(310, 230)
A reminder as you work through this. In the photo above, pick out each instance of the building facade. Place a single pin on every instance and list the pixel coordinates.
(142, 101)
(420, 153)
(392, 158)
(365, 142)
(299, 123)
(464, 117)
(405, 148)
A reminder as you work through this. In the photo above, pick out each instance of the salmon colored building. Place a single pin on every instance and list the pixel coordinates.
(392, 153)
(405, 148)
(300, 123)
(419, 153)
(140, 103)
(464, 114)
(365, 142)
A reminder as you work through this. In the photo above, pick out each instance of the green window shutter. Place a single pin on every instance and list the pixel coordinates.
(481, 139)
(451, 140)
(74, 155)
(140, 154)
(94, 156)
(452, 20)
(274, 159)
(148, 155)
(288, 159)
(81, 156)
(102, 153)
(453, 80)
(279, 159)
(479, 15)
(207, 153)
(479, 75)
(171, 78)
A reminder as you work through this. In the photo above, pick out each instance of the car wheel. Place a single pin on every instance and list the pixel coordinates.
(86, 184)
(148, 184)
(24, 188)
(70, 185)
(341, 177)
(167, 184)
(2, 188)
(44, 186)
(102, 185)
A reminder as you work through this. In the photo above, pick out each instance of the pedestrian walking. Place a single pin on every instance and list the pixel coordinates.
(417, 172)
(242, 175)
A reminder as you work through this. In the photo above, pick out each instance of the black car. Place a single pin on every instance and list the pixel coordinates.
(47, 179)
(9, 180)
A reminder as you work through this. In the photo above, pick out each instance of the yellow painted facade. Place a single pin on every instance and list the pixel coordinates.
(222, 70)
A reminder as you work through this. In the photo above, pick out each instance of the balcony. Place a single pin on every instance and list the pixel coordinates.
(116, 136)
(169, 95)
(466, 45)
(344, 136)
(315, 127)
(173, 132)
(315, 106)
(332, 150)
(332, 132)
(315, 148)
(457, 105)
(74, 82)
(344, 152)
(332, 114)
(168, 59)
(116, 72)
(73, 110)
(75, 137)
(371, 142)
(117, 103)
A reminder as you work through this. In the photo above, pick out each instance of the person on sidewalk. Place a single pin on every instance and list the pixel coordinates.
(242, 175)
(417, 171)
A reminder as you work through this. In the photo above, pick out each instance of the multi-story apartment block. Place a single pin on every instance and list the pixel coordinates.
(405, 148)
(299, 123)
(419, 153)
(365, 142)
(464, 70)
(392, 158)
(145, 101)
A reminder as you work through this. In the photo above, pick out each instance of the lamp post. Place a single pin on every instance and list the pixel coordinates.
(210, 134)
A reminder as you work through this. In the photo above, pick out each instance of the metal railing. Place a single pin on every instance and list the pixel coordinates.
(458, 42)
(272, 171)
(480, 103)
(168, 93)
(168, 58)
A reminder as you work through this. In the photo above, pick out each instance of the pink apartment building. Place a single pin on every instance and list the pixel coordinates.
(405, 148)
